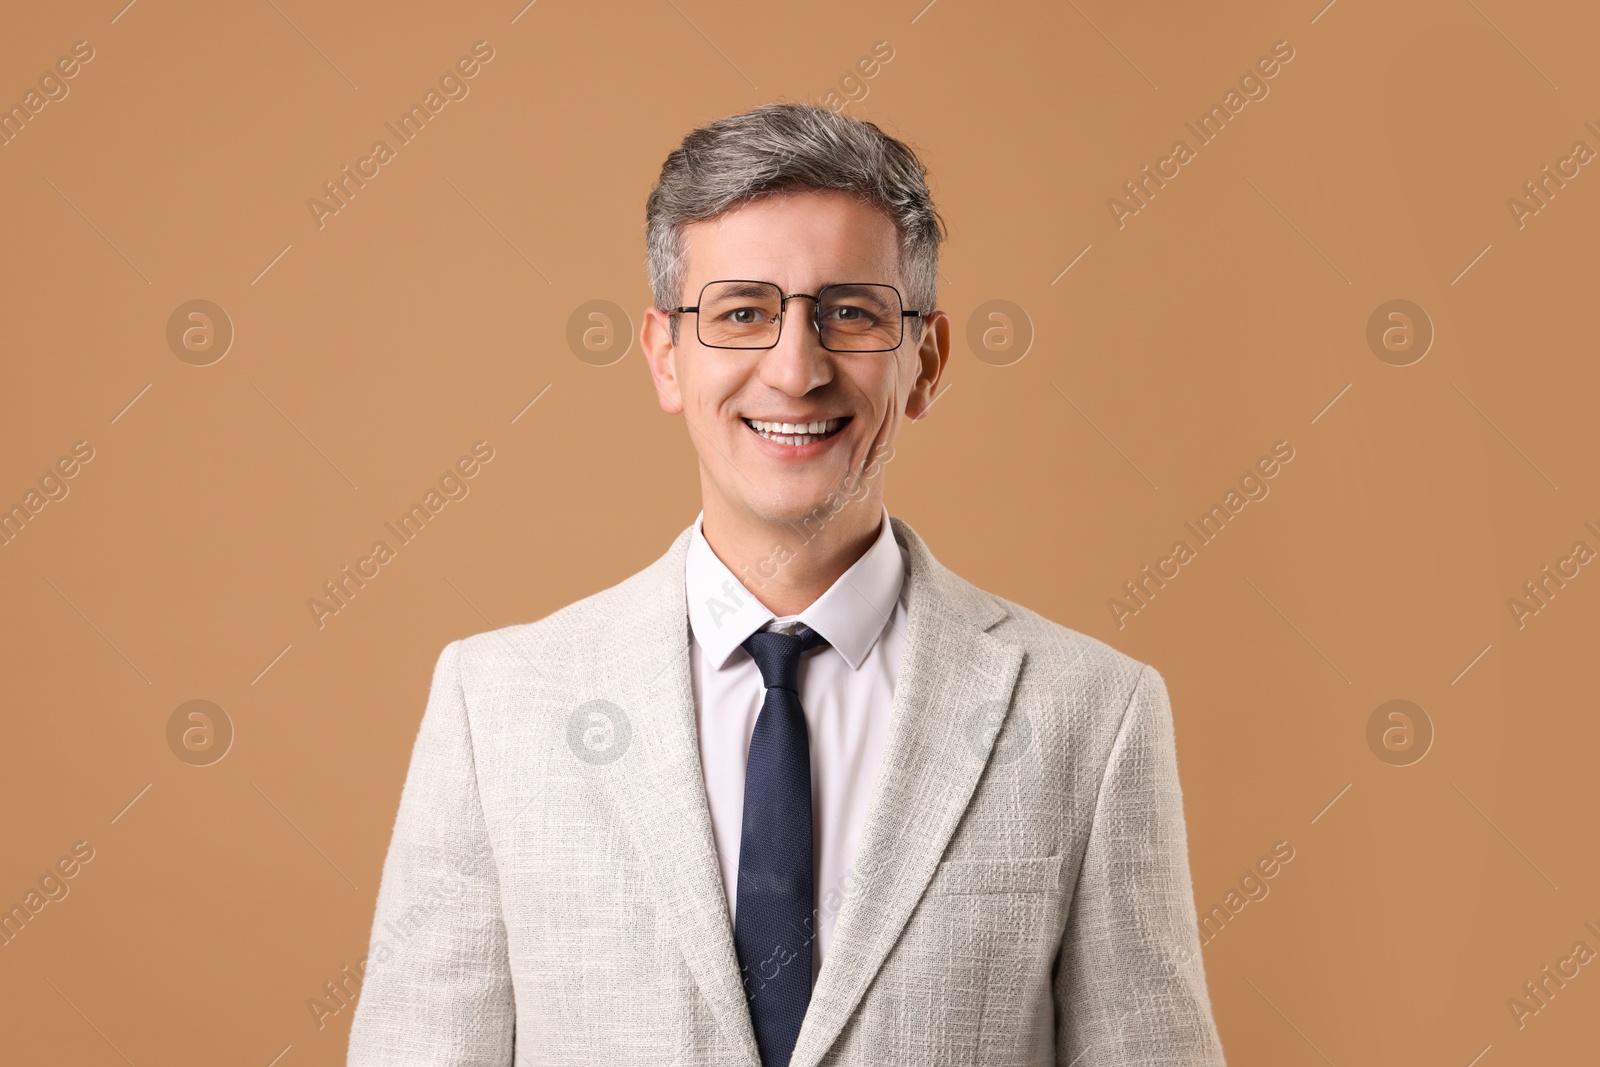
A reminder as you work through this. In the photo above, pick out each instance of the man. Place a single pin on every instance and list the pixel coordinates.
(795, 793)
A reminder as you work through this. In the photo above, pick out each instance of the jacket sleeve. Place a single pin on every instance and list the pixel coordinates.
(1130, 983)
(436, 988)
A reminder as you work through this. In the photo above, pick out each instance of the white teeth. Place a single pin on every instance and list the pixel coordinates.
(794, 433)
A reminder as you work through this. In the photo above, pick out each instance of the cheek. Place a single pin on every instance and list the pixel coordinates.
(706, 386)
(909, 367)
(888, 383)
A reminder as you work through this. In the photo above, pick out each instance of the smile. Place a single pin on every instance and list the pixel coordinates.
(797, 434)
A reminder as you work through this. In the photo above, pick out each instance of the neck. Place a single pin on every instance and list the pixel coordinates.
(788, 566)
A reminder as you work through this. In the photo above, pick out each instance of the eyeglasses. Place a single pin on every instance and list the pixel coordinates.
(849, 316)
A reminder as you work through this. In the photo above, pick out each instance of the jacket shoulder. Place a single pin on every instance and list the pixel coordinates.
(1050, 648)
(1066, 652)
(579, 625)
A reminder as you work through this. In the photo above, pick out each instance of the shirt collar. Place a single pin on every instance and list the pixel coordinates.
(851, 615)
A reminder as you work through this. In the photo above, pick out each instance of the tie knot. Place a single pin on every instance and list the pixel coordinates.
(777, 655)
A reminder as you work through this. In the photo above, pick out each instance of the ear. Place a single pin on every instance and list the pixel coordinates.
(933, 352)
(655, 341)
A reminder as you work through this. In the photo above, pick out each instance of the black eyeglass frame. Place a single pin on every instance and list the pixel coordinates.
(783, 308)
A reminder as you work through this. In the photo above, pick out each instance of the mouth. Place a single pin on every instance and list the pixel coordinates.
(797, 435)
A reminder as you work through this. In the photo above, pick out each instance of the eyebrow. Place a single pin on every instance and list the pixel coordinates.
(747, 289)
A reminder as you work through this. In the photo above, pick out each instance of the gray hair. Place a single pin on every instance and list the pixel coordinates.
(784, 147)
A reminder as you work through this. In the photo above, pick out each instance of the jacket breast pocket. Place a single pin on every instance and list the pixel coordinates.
(969, 980)
(1037, 874)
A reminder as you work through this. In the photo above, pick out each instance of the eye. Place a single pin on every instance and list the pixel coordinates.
(848, 313)
(746, 316)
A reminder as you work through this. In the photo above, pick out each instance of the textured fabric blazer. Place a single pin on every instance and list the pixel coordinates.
(551, 894)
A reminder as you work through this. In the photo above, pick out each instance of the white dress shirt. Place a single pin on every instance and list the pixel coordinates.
(846, 688)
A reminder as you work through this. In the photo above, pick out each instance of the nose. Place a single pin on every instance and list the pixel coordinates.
(798, 363)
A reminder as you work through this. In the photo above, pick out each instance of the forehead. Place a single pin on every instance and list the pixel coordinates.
(800, 240)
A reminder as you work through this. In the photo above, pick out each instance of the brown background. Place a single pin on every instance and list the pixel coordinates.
(372, 352)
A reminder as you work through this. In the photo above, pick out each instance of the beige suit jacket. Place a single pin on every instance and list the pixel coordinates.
(1022, 895)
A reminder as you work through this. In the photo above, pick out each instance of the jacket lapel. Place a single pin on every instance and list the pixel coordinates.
(659, 787)
(954, 684)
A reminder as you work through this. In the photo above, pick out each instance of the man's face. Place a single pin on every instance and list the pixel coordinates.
(800, 241)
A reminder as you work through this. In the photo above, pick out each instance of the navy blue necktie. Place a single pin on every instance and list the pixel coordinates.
(774, 923)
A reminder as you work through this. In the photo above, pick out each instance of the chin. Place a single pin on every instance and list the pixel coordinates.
(826, 503)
